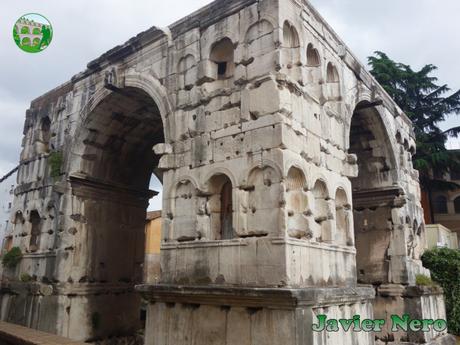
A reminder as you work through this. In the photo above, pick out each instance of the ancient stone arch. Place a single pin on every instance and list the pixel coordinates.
(276, 178)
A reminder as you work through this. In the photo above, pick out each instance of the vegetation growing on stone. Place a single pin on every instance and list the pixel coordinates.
(12, 257)
(25, 277)
(423, 280)
(55, 162)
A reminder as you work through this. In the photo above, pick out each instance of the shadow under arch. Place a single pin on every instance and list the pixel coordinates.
(375, 192)
(111, 163)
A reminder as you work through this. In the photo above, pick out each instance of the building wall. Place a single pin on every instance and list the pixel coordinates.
(6, 204)
(440, 236)
(152, 250)
(450, 218)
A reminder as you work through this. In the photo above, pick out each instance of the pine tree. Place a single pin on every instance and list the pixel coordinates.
(426, 104)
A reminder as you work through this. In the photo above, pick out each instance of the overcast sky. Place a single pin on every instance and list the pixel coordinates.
(415, 32)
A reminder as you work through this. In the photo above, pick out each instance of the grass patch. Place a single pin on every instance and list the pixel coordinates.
(423, 280)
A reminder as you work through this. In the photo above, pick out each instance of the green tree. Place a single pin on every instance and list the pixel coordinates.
(427, 105)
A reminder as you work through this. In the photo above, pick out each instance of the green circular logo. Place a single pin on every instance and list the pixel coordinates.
(32, 33)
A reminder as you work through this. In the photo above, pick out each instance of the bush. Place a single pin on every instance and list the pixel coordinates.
(423, 280)
(444, 264)
(12, 258)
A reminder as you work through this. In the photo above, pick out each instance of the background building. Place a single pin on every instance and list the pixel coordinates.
(438, 236)
(152, 247)
(6, 199)
(443, 206)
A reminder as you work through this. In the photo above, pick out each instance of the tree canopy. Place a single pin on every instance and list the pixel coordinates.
(427, 104)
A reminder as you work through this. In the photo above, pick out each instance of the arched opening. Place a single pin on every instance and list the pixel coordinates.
(222, 54)
(26, 41)
(297, 204)
(184, 212)
(440, 204)
(226, 211)
(290, 50)
(25, 30)
(313, 70)
(220, 203)
(332, 76)
(375, 193)
(343, 218)
(36, 31)
(110, 171)
(36, 41)
(333, 83)
(313, 59)
(457, 205)
(35, 231)
(322, 212)
(44, 135)
(290, 36)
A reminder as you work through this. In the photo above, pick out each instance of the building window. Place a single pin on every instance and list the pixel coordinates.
(457, 205)
(222, 54)
(35, 221)
(440, 204)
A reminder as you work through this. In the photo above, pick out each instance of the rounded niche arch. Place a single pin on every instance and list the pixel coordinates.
(313, 58)
(220, 207)
(222, 55)
(259, 42)
(343, 218)
(183, 211)
(290, 35)
(186, 72)
(322, 210)
(263, 200)
(290, 50)
(297, 204)
(332, 75)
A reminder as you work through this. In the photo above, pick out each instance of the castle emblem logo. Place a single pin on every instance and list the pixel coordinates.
(32, 33)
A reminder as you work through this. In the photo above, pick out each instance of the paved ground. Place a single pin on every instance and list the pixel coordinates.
(14, 334)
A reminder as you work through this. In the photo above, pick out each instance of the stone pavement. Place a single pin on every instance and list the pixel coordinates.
(11, 334)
